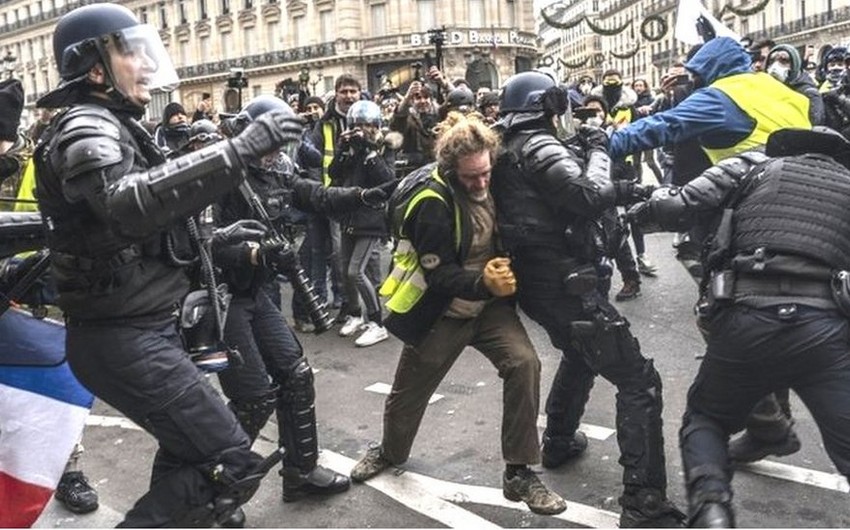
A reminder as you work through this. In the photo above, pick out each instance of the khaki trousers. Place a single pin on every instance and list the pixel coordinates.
(497, 333)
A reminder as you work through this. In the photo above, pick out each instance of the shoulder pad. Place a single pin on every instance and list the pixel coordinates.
(542, 150)
(89, 138)
(740, 165)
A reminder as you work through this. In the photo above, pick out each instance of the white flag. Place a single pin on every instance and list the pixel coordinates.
(688, 19)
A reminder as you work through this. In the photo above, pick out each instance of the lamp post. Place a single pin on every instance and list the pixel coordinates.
(9, 64)
(319, 78)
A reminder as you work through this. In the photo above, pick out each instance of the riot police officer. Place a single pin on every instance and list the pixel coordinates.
(548, 201)
(774, 302)
(115, 209)
(255, 326)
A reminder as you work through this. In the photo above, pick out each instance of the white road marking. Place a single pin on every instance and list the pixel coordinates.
(819, 479)
(111, 421)
(383, 388)
(415, 491)
(591, 431)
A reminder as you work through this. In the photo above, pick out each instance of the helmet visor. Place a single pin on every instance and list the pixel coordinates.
(139, 57)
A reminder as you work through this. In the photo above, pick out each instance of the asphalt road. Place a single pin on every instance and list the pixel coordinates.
(453, 478)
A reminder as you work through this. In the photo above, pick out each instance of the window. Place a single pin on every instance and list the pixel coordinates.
(45, 79)
(257, 90)
(225, 7)
(248, 36)
(379, 19)
(203, 47)
(143, 15)
(163, 16)
(297, 24)
(181, 11)
(225, 42)
(427, 14)
(33, 84)
(476, 14)
(249, 4)
(183, 52)
(326, 25)
(202, 10)
(272, 36)
(511, 9)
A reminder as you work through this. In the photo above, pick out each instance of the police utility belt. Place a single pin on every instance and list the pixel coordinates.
(763, 290)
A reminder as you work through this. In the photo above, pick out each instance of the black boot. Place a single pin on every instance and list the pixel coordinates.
(713, 515)
(75, 493)
(557, 451)
(649, 508)
(319, 481)
(710, 504)
(748, 448)
(236, 520)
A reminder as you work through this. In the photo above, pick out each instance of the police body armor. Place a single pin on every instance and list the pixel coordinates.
(525, 219)
(98, 273)
(797, 207)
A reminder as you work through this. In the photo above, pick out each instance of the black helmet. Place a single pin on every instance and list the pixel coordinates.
(91, 34)
(523, 92)
(532, 91)
(461, 99)
(256, 108)
(204, 132)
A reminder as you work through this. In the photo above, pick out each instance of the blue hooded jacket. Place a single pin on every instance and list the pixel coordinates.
(708, 114)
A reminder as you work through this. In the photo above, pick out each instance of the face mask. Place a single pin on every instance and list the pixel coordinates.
(779, 72)
(585, 88)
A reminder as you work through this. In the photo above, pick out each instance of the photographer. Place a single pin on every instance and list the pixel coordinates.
(415, 118)
(361, 162)
(250, 256)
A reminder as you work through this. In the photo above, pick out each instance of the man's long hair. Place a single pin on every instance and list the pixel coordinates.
(462, 135)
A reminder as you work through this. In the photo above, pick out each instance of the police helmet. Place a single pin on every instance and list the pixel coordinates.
(364, 112)
(256, 108)
(461, 99)
(533, 91)
(837, 54)
(205, 132)
(92, 34)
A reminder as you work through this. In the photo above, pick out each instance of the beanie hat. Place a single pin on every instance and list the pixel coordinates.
(170, 110)
(796, 61)
(11, 106)
(315, 100)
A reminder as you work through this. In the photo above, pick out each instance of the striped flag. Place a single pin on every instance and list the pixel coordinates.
(43, 410)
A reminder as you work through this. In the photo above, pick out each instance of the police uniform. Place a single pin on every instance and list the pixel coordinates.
(549, 201)
(772, 321)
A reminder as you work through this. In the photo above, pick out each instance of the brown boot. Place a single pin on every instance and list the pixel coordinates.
(630, 290)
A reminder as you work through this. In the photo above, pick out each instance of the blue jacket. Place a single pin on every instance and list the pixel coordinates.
(708, 114)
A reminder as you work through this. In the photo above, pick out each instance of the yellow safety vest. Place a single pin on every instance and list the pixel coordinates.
(785, 109)
(328, 136)
(620, 116)
(26, 190)
(406, 283)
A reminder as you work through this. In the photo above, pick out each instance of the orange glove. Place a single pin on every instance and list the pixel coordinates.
(499, 278)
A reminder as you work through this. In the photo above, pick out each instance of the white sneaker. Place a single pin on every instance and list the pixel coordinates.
(351, 326)
(373, 334)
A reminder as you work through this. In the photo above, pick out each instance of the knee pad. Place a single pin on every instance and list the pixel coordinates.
(253, 414)
(297, 417)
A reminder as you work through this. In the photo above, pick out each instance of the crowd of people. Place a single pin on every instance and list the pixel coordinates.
(168, 242)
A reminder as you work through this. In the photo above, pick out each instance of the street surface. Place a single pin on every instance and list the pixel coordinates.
(453, 478)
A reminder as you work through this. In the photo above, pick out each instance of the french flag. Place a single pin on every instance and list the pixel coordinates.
(43, 409)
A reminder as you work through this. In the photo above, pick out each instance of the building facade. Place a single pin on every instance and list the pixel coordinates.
(637, 37)
(259, 46)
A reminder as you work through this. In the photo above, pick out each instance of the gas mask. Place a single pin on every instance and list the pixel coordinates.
(779, 72)
(833, 75)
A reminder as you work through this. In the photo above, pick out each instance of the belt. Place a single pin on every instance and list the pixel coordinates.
(748, 285)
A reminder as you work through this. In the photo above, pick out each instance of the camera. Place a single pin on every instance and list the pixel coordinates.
(237, 78)
(437, 36)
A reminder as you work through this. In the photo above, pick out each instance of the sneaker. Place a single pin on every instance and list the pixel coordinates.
(649, 509)
(557, 451)
(350, 326)
(304, 326)
(630, 291)
(319, 481)
(645, 266)
(372, 334)
(75, 493)
(747, 448)
(526, 487)
(370, 465)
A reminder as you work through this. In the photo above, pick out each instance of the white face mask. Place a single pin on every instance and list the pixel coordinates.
(585, 88)
(779, 72)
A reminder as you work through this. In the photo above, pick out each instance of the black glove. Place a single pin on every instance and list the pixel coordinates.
(593, 138)
(267, 133)
(630, 192)
(377, 196)
(640, 213)
(277, 253)
(9, 166)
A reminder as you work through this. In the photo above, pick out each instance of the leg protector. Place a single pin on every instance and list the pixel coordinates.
(296, 417)
(254, 414)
